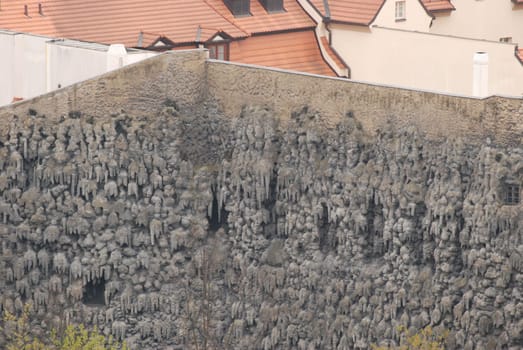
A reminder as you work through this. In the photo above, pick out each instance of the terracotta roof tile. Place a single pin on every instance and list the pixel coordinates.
(116, 21)
(294, 51)
(294, 17)
(519, 54)
(350, 11)
(438, 5)
(119, 21)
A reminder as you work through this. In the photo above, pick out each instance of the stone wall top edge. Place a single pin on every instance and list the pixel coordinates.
(360, 82)
(438, 116)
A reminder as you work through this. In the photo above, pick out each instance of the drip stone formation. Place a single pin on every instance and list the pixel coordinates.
(247, 232)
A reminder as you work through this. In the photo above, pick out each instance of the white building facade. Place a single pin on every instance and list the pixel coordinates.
(405, 44)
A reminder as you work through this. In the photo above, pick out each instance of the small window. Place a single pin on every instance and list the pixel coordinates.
(512, 194)
(273, 6)
(239, 7)
(400, 11)
(219, 51)
(507, 39)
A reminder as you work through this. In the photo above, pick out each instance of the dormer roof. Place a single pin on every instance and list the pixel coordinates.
(434, 6)
(360, 12)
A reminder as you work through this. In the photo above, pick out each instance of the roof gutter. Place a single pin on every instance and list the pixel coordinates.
(283, 31)
(335, 21)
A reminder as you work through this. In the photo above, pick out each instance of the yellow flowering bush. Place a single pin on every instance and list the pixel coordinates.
(19, 336)
(425, 339)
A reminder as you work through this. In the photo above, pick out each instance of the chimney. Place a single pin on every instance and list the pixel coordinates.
(115, 56)
(480, 74)
(40, 9)
(26, 11)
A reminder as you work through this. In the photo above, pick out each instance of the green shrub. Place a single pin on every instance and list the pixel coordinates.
(425, 339)
(17, 330)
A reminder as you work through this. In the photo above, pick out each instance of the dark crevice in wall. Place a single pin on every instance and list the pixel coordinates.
(94, 292)
(219, 216)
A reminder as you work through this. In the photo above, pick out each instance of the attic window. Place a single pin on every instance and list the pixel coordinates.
(239, 7)
(218, 51)
(273, 6)
(512, 194)
(400, 11)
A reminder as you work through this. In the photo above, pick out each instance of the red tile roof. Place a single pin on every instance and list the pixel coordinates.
(126, 21)
(519, 54)
(294, 17)
(297, 51)
(438, 5)
(292, 44)
(115, 21)
(350, 11)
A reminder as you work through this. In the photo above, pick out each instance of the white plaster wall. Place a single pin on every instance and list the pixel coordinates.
(133, 57)
(425, 61)
(482, 19)
(7, 43)
(31, 65)
(416, 17)
(68, 65)
(29, 72)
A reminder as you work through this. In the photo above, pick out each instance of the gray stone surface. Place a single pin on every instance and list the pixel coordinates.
(246, 232)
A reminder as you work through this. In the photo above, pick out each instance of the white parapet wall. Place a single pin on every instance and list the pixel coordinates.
(31, 65)
(22, 66)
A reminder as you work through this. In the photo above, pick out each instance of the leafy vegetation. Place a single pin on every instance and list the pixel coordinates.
(425, 339)
(18, 334)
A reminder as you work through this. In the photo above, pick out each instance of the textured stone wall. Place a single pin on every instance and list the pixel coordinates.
(138, 89)
(439, 116)
(189, 220)
(258, 234)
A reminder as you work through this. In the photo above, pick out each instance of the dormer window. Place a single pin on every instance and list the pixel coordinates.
(218, 46)
(239, 7)
(218, 51)
(273, 6)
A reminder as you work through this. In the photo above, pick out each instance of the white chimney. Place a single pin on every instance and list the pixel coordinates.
(480, 74)
(115, 56)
